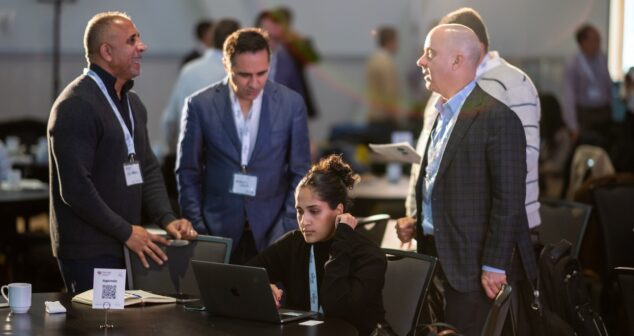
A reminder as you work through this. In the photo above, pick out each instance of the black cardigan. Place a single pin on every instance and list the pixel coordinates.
(350, 275)
(92, 209)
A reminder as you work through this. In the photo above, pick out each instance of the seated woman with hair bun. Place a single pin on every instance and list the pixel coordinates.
(325, 265)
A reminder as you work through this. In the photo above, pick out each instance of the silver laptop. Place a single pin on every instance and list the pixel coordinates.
(241, 292)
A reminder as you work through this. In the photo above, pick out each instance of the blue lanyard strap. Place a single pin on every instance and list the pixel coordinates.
(312, 280)
(129, 137)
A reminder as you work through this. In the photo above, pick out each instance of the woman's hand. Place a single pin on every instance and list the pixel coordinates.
(277, 295)
(347, 219)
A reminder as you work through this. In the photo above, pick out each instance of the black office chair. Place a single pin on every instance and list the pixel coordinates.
(407, 278)
(563, 220)
(373, 227)
(176, 277)
(625, 277)
(615, 209)
(498, 312)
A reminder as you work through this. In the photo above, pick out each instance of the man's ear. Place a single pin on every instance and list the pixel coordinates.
(457, 61)
(105, 51)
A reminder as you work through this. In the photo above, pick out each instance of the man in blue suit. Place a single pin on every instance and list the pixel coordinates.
(242, 150)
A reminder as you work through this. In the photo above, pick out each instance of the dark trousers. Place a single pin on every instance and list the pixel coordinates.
(78, 273)
(245, 250)
(465, 311)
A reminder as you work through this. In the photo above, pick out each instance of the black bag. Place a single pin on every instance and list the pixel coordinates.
(563, 292)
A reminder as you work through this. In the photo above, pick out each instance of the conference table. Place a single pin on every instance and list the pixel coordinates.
(160, 319)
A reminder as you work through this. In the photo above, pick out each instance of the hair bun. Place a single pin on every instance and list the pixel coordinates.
(334, 164)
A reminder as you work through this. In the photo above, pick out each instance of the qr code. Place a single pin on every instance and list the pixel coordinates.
(109, 292)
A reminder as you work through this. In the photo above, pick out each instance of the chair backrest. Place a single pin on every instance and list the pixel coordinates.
(498, 312)
(407, 279)
(614, 204)
(588, 162)
(176, 276)
(373, 227)
(626, 283)
(563, 220)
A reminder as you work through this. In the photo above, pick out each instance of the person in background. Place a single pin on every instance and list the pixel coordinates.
(283, 68)
(202, 33)
(325, 265)
(103, 173)
(194, 76)
(242, 151)
(587, 104)
(383, 87)
(471, 185)
(302, 50)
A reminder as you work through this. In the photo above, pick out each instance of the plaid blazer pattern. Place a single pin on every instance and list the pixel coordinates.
(478, 197)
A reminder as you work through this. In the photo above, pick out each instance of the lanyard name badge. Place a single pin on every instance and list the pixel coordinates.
(131, 169)
(244, 184)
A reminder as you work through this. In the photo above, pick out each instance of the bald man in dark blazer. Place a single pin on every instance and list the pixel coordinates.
(471, 187)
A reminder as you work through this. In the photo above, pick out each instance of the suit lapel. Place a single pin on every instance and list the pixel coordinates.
(470, 110)
(224, 110)
(269, 108)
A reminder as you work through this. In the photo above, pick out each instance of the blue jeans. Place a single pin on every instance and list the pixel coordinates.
(78, 273)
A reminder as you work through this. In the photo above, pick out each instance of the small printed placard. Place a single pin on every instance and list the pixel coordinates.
(108, 288)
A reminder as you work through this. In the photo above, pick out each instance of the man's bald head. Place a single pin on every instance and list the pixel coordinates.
(462, 40)
(451, 57)
(98, 30)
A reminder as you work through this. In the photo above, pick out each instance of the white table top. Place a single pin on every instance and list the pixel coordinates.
(373, 187)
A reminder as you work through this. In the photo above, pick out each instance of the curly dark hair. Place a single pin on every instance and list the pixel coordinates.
(331, 178)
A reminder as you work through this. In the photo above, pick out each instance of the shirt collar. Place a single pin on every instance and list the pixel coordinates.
(109, 80)
(257, 102)
(451, 106)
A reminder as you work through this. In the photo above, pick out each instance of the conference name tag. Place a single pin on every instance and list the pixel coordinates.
(132, 173)
(244, 184)
(108, 288)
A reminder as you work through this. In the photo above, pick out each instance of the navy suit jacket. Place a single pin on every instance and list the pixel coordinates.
(209, 156)
(478, 197)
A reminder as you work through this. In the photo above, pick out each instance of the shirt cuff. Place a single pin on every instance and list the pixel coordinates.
(492, 269)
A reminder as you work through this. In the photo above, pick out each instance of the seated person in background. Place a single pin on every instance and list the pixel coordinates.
(325, 265)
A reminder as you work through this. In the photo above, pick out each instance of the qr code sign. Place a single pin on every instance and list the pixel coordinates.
(109, 292)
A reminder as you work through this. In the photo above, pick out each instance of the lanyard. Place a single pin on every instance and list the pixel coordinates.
(129, 137)
(312, 280)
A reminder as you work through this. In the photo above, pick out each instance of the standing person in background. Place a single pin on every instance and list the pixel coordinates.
(194, 76)
(383, 87)
(303, 52)
(103, 174)
(283, 68)
(587, 104)
(202, 33)
(348, 269)
(242, 150)
(507, 84)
